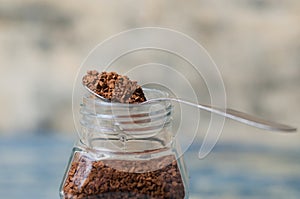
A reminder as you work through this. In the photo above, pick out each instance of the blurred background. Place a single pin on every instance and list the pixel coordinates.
(255, 44)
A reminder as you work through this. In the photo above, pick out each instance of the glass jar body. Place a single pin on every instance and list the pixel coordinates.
(125, 151)
(102, 174)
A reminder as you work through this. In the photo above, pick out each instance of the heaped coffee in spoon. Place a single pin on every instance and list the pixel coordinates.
(114, 87)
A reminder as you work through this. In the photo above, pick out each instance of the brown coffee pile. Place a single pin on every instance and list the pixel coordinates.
(114, 87)
(122, 179)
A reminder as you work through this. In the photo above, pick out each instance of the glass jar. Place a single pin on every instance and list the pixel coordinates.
(126, 151)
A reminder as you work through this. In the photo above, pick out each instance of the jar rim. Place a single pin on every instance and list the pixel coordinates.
(132, 124)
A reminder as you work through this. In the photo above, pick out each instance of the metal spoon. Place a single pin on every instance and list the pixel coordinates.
(229, 113)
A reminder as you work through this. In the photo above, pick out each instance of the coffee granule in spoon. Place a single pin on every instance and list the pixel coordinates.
(114, 87)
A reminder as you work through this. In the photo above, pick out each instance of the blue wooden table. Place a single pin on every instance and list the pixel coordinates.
(32, 167)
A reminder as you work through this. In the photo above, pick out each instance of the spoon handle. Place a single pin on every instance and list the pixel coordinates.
(234, 115)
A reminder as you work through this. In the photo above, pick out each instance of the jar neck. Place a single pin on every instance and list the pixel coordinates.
(126, 128)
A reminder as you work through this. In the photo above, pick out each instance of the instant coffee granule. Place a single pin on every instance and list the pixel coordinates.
(122, 179)
(114, 87)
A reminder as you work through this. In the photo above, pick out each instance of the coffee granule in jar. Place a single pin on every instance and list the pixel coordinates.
(114, 87)
(121, 179)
